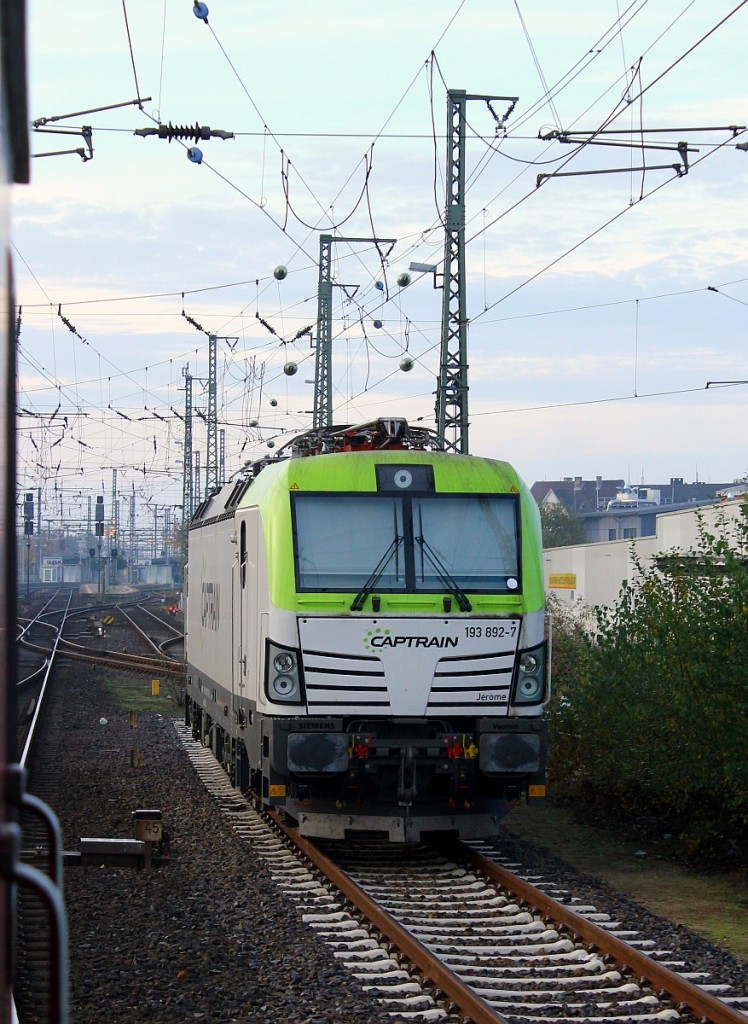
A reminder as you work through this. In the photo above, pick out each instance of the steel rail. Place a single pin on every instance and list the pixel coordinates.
(139, 629)
(469, 1003)
(47, 889)
(168, 643)
(178, 635)
(681, 991)
(37, 618)
(32, 727)
(136, 662)
(27, 680)
(163, 622)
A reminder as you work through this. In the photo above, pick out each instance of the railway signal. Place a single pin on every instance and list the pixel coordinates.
(99, 520)
(28, 529)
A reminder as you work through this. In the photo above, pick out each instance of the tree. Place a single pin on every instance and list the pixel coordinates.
(652, 714)
(560, 525)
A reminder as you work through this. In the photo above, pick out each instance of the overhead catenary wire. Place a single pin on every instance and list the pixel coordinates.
(588, 236)
(488, 226)
(268, 282)
(132, 54)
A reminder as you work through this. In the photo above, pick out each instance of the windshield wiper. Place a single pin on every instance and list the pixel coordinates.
(360, 598)
(443, 575)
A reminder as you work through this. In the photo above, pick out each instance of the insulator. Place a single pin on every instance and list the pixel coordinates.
(184, 131)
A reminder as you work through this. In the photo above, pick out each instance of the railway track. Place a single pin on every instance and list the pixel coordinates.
(117, 659)
(41, 930)
(40, 983)
(78, 644)
(153, 629)
(447, 933)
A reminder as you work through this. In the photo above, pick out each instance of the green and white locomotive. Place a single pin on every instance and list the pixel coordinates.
(365, 635)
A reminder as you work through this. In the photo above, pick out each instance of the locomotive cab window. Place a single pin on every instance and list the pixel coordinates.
(340, 539)
(409, 543)
(472, 538)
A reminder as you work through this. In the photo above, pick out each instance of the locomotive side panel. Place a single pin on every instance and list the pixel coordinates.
(209, 629)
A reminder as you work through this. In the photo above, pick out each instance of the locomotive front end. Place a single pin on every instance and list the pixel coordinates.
(420, 728)
(419, 652)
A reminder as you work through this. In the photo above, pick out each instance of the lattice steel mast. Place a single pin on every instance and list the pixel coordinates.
(187, 493)
(211, 448)
(452, 393)
(322, 410)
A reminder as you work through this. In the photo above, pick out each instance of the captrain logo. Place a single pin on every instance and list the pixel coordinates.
(380, 639)
(210, 610)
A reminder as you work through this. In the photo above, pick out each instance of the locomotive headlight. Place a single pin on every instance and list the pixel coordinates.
(283, 678)
(529, 680)
(284, 662)
(528, 663)
(529, 687)
(285, 687)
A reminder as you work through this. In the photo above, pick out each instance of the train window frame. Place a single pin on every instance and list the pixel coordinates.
(352, 586)
(408, 548)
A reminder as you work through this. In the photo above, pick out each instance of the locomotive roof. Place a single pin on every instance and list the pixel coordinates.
(356, 472)
(350, 456)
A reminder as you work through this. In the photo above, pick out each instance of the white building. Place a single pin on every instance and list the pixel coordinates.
(594, 573)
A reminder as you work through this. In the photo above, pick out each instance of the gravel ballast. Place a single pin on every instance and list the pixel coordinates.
(206, 935)
(203, 936)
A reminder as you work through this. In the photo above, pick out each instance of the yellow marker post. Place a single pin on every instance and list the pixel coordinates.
(155, 687)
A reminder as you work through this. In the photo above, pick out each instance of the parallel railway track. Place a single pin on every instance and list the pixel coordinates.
(117, 659)
(40, 980)
(159, 663)
(174, 636)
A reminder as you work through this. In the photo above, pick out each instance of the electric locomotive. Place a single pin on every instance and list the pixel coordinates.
(366, 642)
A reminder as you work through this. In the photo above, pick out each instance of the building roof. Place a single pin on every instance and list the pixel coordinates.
(593, 495)
(575, 493)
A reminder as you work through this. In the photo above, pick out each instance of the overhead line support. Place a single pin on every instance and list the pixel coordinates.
(452, 392)
(211, 454)
(322, 409)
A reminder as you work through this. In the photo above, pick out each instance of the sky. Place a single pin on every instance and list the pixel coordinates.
(600, 304)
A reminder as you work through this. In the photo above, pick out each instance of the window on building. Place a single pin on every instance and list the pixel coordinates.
(612, 534)
(629, 532)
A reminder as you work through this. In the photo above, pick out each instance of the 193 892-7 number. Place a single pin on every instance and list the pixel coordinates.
(508, 628)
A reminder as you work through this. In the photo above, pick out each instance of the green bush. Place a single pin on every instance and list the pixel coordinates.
(650, 710)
